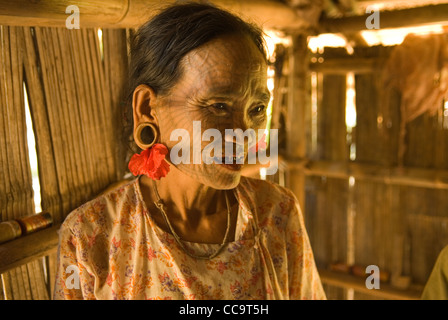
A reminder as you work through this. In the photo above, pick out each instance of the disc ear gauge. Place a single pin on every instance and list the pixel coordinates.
(145, 135)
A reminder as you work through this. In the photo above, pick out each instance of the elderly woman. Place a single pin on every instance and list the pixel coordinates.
(190, 230)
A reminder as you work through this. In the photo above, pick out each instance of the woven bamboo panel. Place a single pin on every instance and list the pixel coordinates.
(75, 86)
(331, 137)
(27, 281)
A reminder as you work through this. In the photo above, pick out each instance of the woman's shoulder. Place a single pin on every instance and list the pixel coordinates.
(275, 207)
(265, 192)
(102, 210)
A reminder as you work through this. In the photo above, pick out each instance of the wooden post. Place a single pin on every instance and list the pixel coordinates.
(298, 100)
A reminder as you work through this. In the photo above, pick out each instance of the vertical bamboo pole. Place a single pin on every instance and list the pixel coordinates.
(298, 100)
(116, 72)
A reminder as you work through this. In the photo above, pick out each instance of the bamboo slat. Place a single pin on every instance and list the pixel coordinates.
(298, 99)
(93, 93)
(64, 111)
(17, 182)
(332, 135)
(115, 63)
(50, 196)
(67, 113)
(80, 101)
(85, 103)
(50, 88)
(105, 157)
(51, 264)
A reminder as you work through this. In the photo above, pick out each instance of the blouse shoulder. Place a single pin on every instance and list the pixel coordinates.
(100, 212)
(262, 190)
(273, 205)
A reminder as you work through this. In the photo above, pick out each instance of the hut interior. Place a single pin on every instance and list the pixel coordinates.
(360, 102)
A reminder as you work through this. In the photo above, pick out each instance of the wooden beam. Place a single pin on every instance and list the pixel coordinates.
(388, 19)
(28, 248)
(133, 13)
(344, 65)
(386, 291)
(395, 4)
(406, 176)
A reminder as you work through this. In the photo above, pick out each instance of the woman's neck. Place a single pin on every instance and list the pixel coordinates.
(186, 195)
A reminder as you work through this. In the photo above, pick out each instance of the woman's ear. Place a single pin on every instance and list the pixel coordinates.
(143, 103)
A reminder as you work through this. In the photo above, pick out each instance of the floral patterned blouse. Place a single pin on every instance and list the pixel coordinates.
(110, 248)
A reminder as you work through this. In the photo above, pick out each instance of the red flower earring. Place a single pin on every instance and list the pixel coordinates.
(151, 161)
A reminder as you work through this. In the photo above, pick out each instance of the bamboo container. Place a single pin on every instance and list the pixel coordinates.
(35, 222)
(9, 230)
(13, 229)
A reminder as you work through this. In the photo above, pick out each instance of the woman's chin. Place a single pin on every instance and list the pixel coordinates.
(227, 185)
(222, 182)
(216, 176)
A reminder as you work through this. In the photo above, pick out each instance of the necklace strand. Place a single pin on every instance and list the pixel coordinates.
(161, 206)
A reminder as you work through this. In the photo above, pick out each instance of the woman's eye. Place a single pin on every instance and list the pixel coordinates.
(258, 109)
(220, 109)
(219, 106)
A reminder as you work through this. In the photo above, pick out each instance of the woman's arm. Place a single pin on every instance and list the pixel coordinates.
(73, 282)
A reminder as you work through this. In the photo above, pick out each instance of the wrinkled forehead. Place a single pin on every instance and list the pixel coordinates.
(228, 55)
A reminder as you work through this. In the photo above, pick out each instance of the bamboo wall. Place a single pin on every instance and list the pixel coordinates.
(74, 86)
(372, 220)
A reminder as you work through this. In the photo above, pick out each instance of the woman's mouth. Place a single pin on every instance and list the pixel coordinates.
(233, 167)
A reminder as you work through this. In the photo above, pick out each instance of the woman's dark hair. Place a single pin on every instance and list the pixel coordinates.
(159, 45)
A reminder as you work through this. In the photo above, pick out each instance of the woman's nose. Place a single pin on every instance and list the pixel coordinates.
(238, 134)
(240, 121)
(235, 140)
